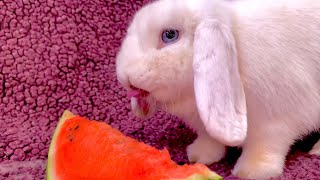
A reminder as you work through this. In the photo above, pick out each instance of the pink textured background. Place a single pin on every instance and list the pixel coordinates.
(59, 54)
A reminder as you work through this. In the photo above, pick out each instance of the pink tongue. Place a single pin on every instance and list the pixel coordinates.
(134, 93)
(137, 93)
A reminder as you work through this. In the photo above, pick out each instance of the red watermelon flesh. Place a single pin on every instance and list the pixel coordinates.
(92, 150)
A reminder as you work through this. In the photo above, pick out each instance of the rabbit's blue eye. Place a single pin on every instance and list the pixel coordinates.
(170, 35)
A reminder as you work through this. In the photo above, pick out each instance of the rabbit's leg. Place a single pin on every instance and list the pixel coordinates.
(264, 152)
(316, 149)
(205, 150)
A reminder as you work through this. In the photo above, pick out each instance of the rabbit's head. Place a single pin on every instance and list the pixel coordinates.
(175, 49)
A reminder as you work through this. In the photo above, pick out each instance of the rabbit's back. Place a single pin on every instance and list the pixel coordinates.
(279, 54)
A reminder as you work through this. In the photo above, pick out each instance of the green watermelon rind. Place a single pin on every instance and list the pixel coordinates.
(50, 174)
(210, 176)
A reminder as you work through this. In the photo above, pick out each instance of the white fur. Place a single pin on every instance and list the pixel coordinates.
(205, 150)
(316, 149)
(219, 92)
(278, 47)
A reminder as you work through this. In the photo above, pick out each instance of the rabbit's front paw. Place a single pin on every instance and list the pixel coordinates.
(259, 166)
(205, 150)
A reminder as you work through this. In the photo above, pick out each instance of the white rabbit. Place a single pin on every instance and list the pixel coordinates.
(241, 73)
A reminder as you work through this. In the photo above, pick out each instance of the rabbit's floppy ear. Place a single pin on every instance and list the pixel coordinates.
(219, 92)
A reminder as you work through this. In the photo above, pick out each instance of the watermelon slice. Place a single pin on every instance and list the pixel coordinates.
(93, 150)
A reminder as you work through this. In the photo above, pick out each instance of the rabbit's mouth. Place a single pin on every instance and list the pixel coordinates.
(142, 104)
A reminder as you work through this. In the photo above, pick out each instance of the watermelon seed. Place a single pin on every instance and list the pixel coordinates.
(77, 127)
(70, 137)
